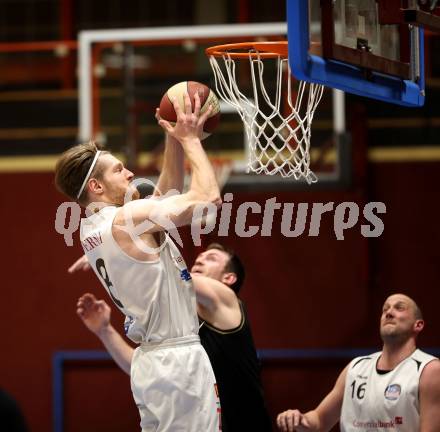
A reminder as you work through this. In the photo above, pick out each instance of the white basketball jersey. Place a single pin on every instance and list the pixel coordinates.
(157, 297)
(375, 401)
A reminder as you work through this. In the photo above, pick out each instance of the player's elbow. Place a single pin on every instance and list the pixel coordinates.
(216, 199)
(206, 197)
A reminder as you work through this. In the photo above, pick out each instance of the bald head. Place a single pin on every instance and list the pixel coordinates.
(406, 300)
(401, 321)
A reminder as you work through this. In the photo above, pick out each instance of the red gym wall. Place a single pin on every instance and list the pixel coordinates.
(305, 292)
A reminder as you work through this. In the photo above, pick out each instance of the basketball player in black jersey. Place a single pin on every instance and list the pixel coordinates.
(224, 333)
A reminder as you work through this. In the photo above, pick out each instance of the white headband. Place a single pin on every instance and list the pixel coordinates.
(95, 159)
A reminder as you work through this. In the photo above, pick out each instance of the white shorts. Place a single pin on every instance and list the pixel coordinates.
(174, 387)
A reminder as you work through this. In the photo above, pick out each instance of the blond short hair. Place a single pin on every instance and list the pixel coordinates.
(72, 167)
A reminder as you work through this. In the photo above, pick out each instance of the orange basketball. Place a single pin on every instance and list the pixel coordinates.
(207, 97)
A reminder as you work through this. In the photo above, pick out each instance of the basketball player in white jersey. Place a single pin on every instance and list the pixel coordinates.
(225, 333)
(397, 389)
(172, 380)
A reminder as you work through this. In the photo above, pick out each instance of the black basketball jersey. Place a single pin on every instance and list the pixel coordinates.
(237, 370)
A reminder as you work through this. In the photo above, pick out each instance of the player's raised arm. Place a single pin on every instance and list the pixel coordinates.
(187, 131)
(177, 210)
(172, 173)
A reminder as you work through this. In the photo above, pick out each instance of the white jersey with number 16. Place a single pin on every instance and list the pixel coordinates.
(383, 400)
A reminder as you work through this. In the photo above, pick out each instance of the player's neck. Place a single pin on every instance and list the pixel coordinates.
(96, 206)
(394, 353)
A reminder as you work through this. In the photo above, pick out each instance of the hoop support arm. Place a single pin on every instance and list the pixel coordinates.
(415, 17)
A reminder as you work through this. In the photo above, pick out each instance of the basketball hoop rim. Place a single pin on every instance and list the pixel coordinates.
(261, 50)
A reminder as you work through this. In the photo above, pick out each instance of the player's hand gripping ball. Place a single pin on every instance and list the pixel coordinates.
(207, 98)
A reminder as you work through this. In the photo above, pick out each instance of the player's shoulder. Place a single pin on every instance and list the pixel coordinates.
(430, 378)
(364, 360)
(97, 221)
(422, 356)
(123, 215)
(432, 368)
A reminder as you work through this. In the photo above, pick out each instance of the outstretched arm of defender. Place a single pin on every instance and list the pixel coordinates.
(80, 264)
(322, 418)
(95, 314)
(211, 293)
(177, 210)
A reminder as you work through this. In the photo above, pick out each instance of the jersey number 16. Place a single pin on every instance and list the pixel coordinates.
(358, 391)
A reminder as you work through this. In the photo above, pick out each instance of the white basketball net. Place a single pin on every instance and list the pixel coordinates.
(279, 142)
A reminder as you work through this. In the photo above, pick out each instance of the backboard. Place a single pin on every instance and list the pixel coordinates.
(371, 48)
